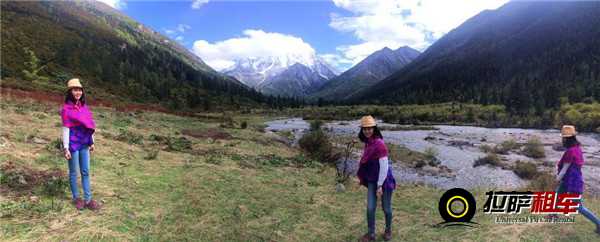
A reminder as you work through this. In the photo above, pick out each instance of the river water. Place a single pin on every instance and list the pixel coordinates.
(458, 148)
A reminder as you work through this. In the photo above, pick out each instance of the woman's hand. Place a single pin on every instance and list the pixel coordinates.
(92, 148)
(379, 191)
(67, 154)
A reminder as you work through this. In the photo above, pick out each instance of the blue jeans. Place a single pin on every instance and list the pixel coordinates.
(582, 209)
(81, 159)
(386, 204)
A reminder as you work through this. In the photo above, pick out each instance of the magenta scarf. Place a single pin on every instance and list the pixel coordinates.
(374, 149)
(77, 115)
(572, 155)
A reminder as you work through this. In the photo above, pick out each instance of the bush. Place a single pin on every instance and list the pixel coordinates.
(55, 146)
(244, 125)
(151, 154)
(431, 156)
(316, 125)
(317, 146)
(227, 122)
(543, 181)
(129, 137)
(534, 148)
(490, 159)
(24, 179)
(159, 139)
(178, 144)
(525, 170)
(56, 183)
(486, 148)
(506, 146)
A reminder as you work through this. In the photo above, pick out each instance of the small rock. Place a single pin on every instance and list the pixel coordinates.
(22, 180)
(431, 170)
(34, 199)
(340, 187)
(39, 141)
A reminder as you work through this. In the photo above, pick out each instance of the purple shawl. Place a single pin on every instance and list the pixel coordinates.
(368, 170)
(77, 115)
(573, 179)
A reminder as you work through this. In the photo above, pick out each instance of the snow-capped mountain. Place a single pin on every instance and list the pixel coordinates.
(255, 72)
(296, 81)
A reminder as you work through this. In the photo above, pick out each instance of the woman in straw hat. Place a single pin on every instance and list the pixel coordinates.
(569, 171)
(375, 173)
(78, 141)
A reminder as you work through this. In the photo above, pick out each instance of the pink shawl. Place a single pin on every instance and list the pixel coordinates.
(572, 155)
(374, 149)
(76, 114)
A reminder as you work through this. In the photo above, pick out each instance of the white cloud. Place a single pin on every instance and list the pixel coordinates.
(183, 27)
(253, 44)
(396, 23)
(177, 32)
(196, 4)
(118, 4)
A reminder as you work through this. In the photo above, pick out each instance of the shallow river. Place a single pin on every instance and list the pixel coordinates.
(458, 148)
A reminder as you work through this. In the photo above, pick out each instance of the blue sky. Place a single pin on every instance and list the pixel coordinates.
(343, 32)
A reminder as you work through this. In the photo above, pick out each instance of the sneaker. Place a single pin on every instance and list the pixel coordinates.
(79, 204)
(367, 237)
(387, 235)
(92, 205)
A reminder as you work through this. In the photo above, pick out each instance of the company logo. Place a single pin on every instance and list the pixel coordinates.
(457, 207)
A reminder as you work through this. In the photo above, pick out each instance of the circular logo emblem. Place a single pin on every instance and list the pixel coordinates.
(457, 205)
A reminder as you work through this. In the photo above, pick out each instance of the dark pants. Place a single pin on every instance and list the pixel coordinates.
(386, 204)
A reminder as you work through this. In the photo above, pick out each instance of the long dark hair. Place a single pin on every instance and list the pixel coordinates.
(569, 142)
(376, 133)
(69, 97)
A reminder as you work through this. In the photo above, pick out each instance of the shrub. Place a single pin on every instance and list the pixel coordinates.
(525, 170)
(431, 156)
(24, 179)
(317, 146)
(159, 138)
(178, 144)
(227, 122)
(316, 125)
(56, 183)
(506, 146)
(129, 137)
(490, 159)
(55, 146)
(244, 125)
(543, 181)
(534, 148)
(151, 154)
(486, 148)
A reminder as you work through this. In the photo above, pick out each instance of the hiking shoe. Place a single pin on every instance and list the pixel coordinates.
(79, 204)
(92, 205)
(387, 235)
(367, 237)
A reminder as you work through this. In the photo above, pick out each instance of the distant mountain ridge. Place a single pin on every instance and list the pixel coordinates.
(525, 55)
(367, 73)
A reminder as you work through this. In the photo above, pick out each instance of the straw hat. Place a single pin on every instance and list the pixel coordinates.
(367, 121)
(74, 83)
(568, 131)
